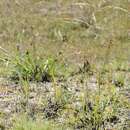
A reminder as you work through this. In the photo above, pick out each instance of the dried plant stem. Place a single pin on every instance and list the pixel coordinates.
(107, 55)
(34, 51)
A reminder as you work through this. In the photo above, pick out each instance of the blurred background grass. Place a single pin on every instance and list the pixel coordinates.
(73, 28)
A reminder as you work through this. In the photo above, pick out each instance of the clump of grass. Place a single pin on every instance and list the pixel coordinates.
(119, 80)
(104, 110)
(120, 65)
(55, 105)
(31, 69)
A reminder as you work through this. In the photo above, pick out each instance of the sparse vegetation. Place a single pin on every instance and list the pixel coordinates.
(64, 65)
(25, 123)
